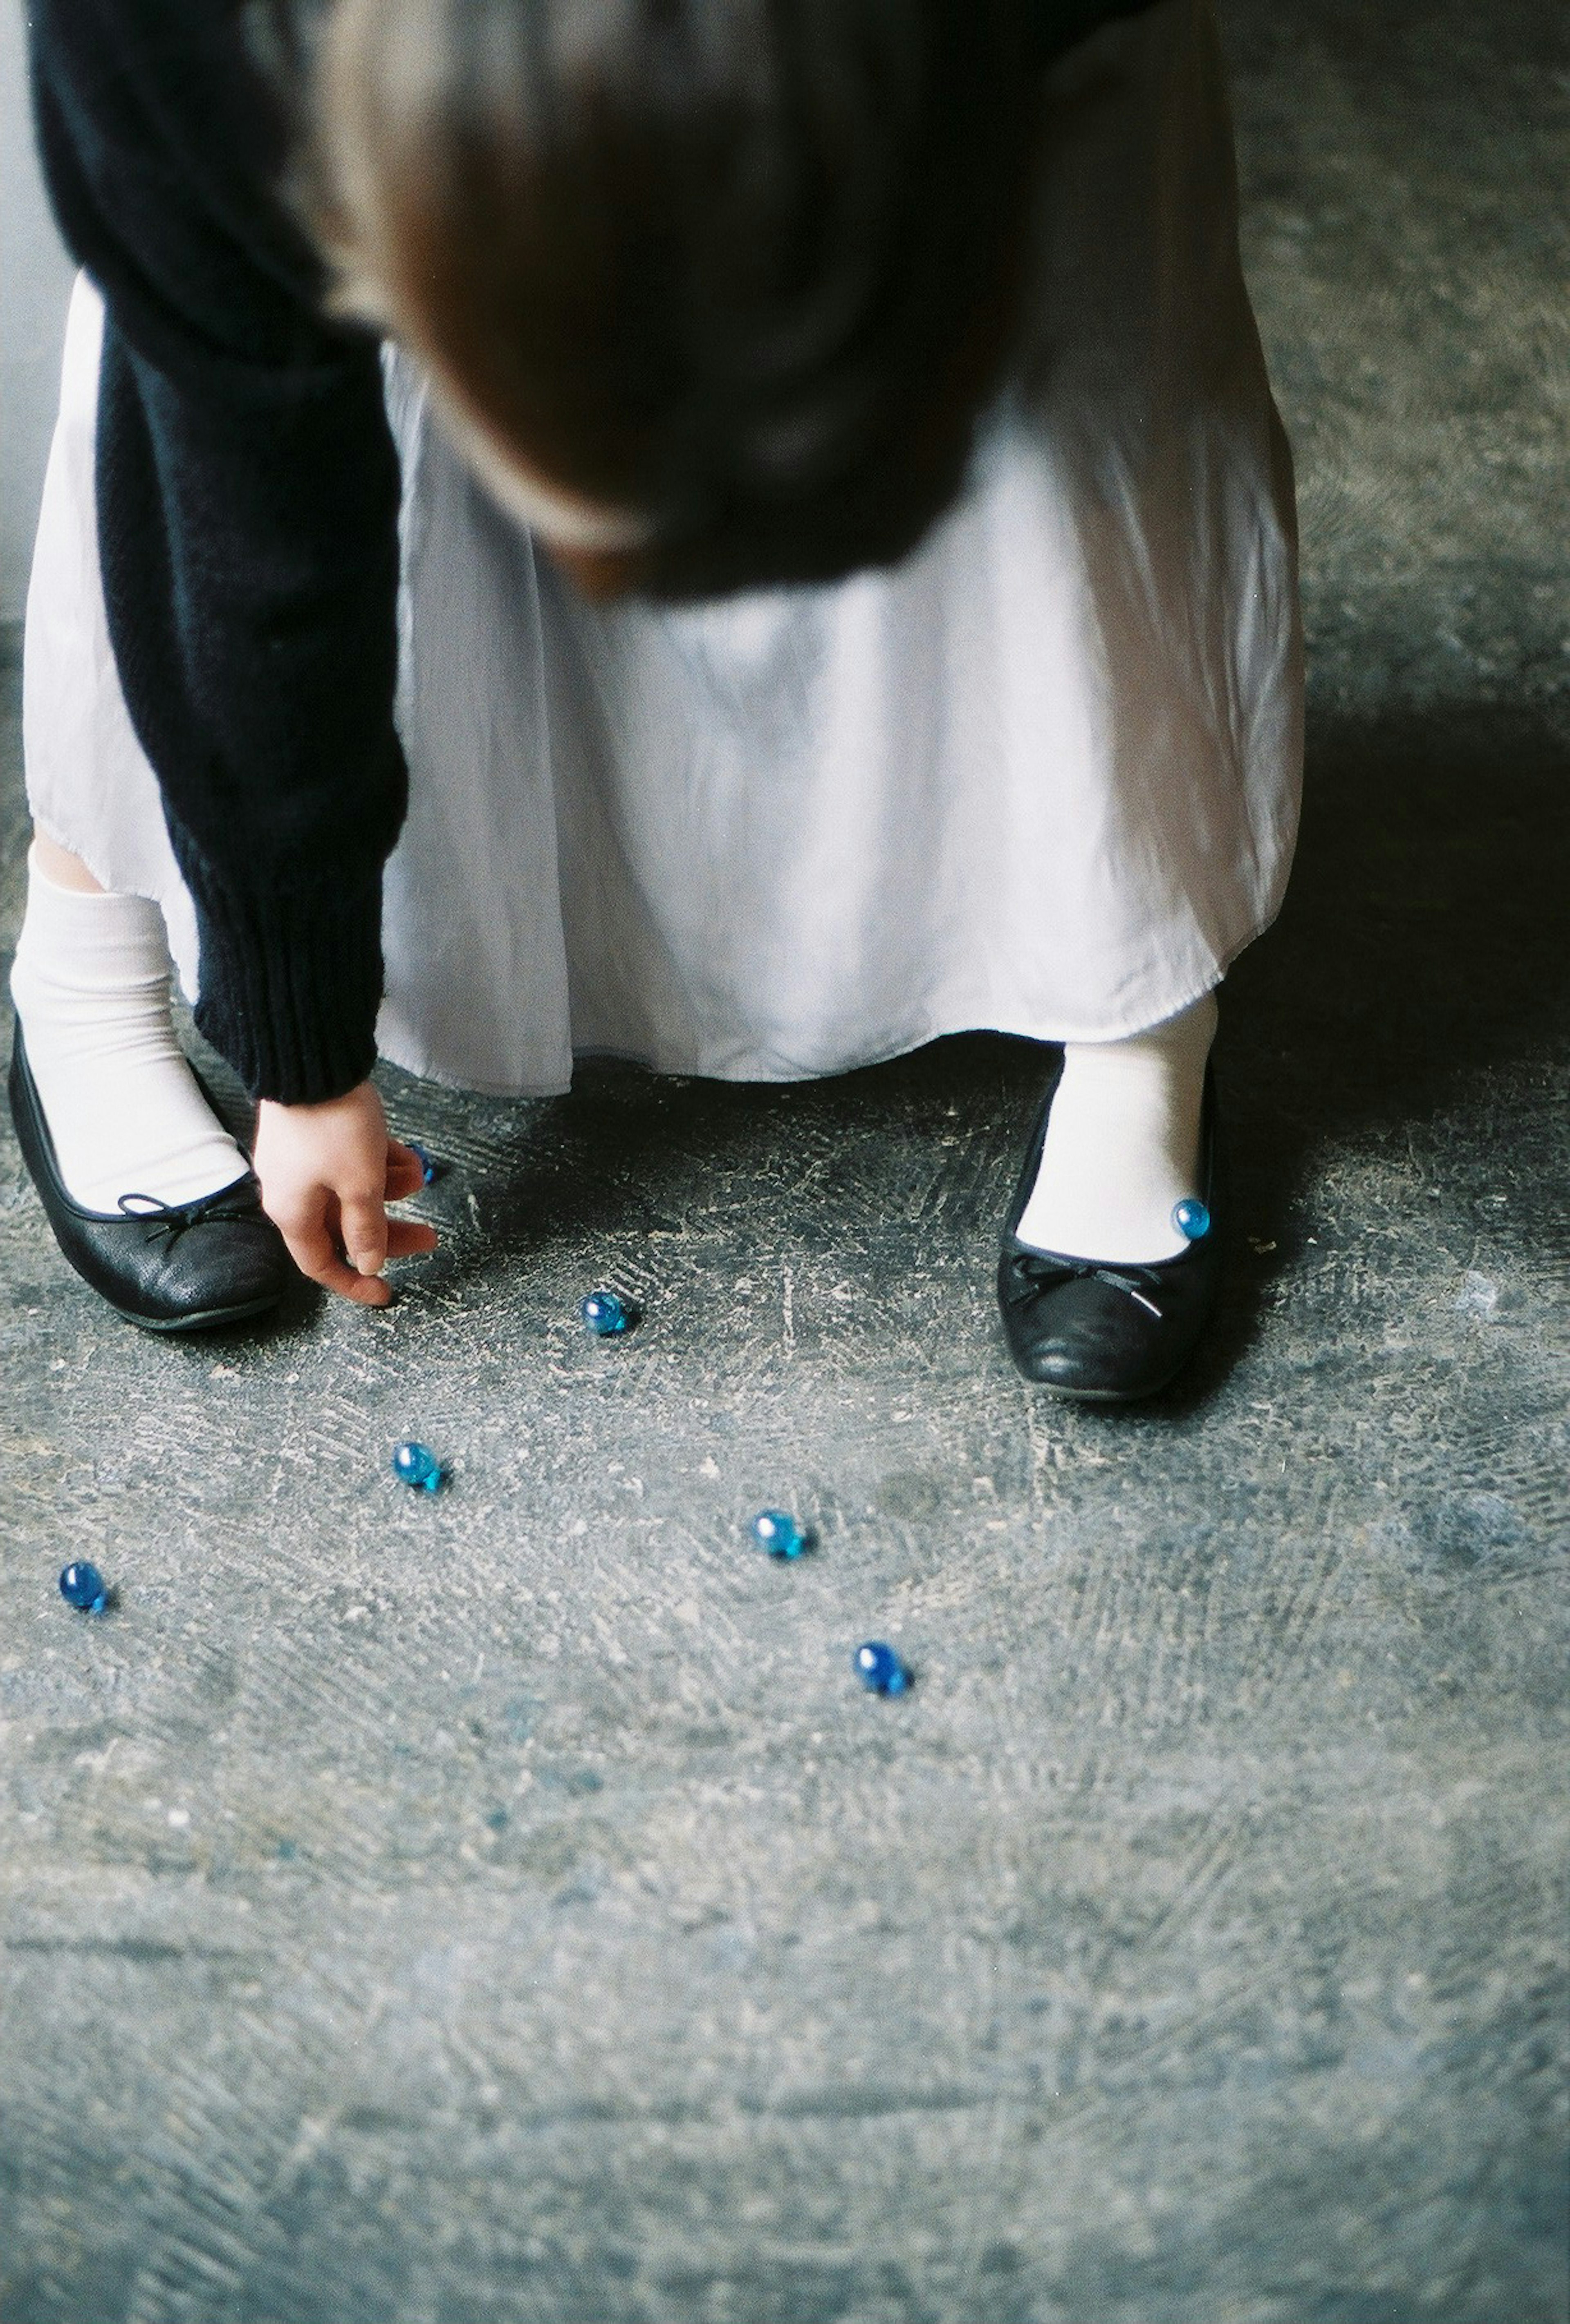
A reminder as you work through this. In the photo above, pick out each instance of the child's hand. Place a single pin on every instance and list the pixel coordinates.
(327, 1174)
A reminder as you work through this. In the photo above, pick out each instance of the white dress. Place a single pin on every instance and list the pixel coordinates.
(1042, 778)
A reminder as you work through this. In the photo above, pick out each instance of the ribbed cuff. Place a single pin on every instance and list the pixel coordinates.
(291, 984)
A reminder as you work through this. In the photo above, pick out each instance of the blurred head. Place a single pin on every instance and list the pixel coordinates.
(727, 281)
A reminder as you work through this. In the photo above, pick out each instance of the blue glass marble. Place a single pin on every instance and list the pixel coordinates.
(417, 1465)
(429, 1167)
(777, 1532)
(1191, 1219)
(607, 1315)
(83, 1586)
(880, 1669)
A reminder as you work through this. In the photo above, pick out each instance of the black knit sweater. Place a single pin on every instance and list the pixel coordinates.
(247, 494)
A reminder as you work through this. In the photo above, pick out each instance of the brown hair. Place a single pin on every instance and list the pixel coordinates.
(747, 268)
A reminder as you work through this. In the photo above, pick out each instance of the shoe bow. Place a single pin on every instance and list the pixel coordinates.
(172, 1219)
(1044, 1273)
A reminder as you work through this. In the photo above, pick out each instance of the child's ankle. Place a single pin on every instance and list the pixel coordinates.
(1121, 1148)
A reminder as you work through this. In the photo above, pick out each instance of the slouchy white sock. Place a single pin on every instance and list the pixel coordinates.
(1122, 1143)
(91, 987)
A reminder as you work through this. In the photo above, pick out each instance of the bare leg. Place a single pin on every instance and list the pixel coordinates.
(58, 864)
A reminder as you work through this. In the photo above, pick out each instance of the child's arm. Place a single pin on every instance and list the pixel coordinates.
(248, 497)
(248, 507)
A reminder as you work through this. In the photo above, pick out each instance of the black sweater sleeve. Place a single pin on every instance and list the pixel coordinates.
(247, 510)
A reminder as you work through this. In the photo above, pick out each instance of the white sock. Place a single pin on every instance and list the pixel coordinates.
(1122, 1144)
(91, 988)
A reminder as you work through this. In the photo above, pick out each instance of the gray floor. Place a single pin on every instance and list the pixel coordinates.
(506, 1908)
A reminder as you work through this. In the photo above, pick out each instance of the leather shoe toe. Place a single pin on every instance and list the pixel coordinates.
(1102, 1331)
(168, 1267)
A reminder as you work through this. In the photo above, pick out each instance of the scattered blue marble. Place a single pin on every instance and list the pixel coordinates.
(607, 1315)
(781, 1534)
(417, 1465)
(1191, 1219)
(880, 1669)
(429, 1169)
(83, 1586)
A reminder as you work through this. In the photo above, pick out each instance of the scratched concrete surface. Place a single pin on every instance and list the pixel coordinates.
(505, 1910)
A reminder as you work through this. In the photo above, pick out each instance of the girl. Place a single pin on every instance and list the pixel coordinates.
(848, 595)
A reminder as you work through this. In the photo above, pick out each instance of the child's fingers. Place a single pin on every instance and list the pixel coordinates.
(407, 1235)
(363, 1231)
(317, 1255)
(405, 1176)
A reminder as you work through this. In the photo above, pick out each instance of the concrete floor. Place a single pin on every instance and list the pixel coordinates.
(505, 1909)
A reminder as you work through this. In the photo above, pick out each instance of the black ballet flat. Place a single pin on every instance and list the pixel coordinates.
(168, 1267)
(1106, 1332)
